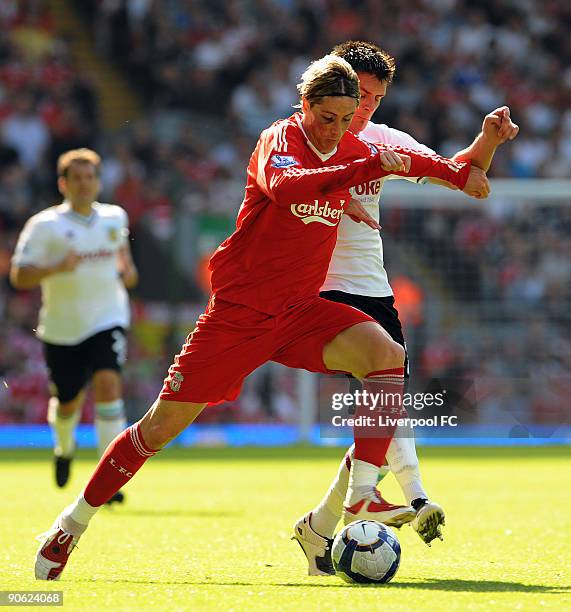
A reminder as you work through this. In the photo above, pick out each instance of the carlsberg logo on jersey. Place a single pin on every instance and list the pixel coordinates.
(309, 213)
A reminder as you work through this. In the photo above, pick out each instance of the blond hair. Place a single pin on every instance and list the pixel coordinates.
(328, 76)
(82, 156)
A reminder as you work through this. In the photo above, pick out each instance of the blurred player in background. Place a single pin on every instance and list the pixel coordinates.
(78, 252)
(357, 277)
(266, 279)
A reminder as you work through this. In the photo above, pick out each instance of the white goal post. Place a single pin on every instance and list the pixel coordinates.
(404, 194)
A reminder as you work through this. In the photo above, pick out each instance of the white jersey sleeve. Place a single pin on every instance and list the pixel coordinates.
(124, 237)
(33, 246)
(357, 265)
(387, 135)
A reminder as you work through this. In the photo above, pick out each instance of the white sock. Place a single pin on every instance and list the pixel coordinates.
(76, 517)
(63, 428)
(109, 422)
(403, 462)
(362, 481)
(326, 515)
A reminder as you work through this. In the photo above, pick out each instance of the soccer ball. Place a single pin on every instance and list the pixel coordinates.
(366, 551)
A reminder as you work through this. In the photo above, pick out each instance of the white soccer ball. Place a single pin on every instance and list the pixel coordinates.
(366, 551)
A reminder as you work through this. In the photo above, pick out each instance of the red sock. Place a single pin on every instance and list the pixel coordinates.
(372, 442)
(122, 459)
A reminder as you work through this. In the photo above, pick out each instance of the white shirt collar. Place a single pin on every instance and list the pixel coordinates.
(67, 209)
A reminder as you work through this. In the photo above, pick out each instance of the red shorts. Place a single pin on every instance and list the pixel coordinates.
(231, 340)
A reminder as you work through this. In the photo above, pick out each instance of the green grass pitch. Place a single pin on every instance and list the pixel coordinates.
(208, 529)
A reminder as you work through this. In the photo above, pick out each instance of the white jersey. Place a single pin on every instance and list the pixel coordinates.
(91, 298)
(357, 263)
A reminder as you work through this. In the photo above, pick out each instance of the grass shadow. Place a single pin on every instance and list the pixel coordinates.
(480, 586)
(163, 512)
(432, 584)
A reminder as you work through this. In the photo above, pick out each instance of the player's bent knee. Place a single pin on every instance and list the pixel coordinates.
(68, 408)
(107, 385)
(362, 348)
(396, 354)
(387, 354)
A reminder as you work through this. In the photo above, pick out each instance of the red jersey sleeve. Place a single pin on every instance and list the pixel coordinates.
(432, 165)
(281, 175)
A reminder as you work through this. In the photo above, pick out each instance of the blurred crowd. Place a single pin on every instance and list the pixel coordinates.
(507, 280)
(456, 61)
(212, 74)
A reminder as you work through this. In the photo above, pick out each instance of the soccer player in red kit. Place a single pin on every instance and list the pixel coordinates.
(265, 303)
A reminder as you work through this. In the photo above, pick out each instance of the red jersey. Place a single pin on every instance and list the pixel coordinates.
(287, 225)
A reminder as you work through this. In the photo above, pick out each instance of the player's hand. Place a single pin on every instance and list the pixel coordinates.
(358, 213)
(477, 186)
(499, 127)
(129, 276)
(394, 162)
(68, 263)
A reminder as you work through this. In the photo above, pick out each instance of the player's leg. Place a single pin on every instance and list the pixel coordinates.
(401, 454)
(227, 344)
(354, 492)
(370, 354)
(314, 531)
(122, 459)
(325, 516)
(403, 461)
(63, 418)
(335, 337)
(404, 464)
(109, 407)
(108, 353)
(109, 418)
(68, 375)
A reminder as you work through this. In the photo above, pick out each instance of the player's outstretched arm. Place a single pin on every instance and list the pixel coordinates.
(431, 165)
(497, 128)
(477, 186)
(290, 182)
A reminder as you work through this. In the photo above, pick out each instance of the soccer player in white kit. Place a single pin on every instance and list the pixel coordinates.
(78, 252)
(357, 277)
